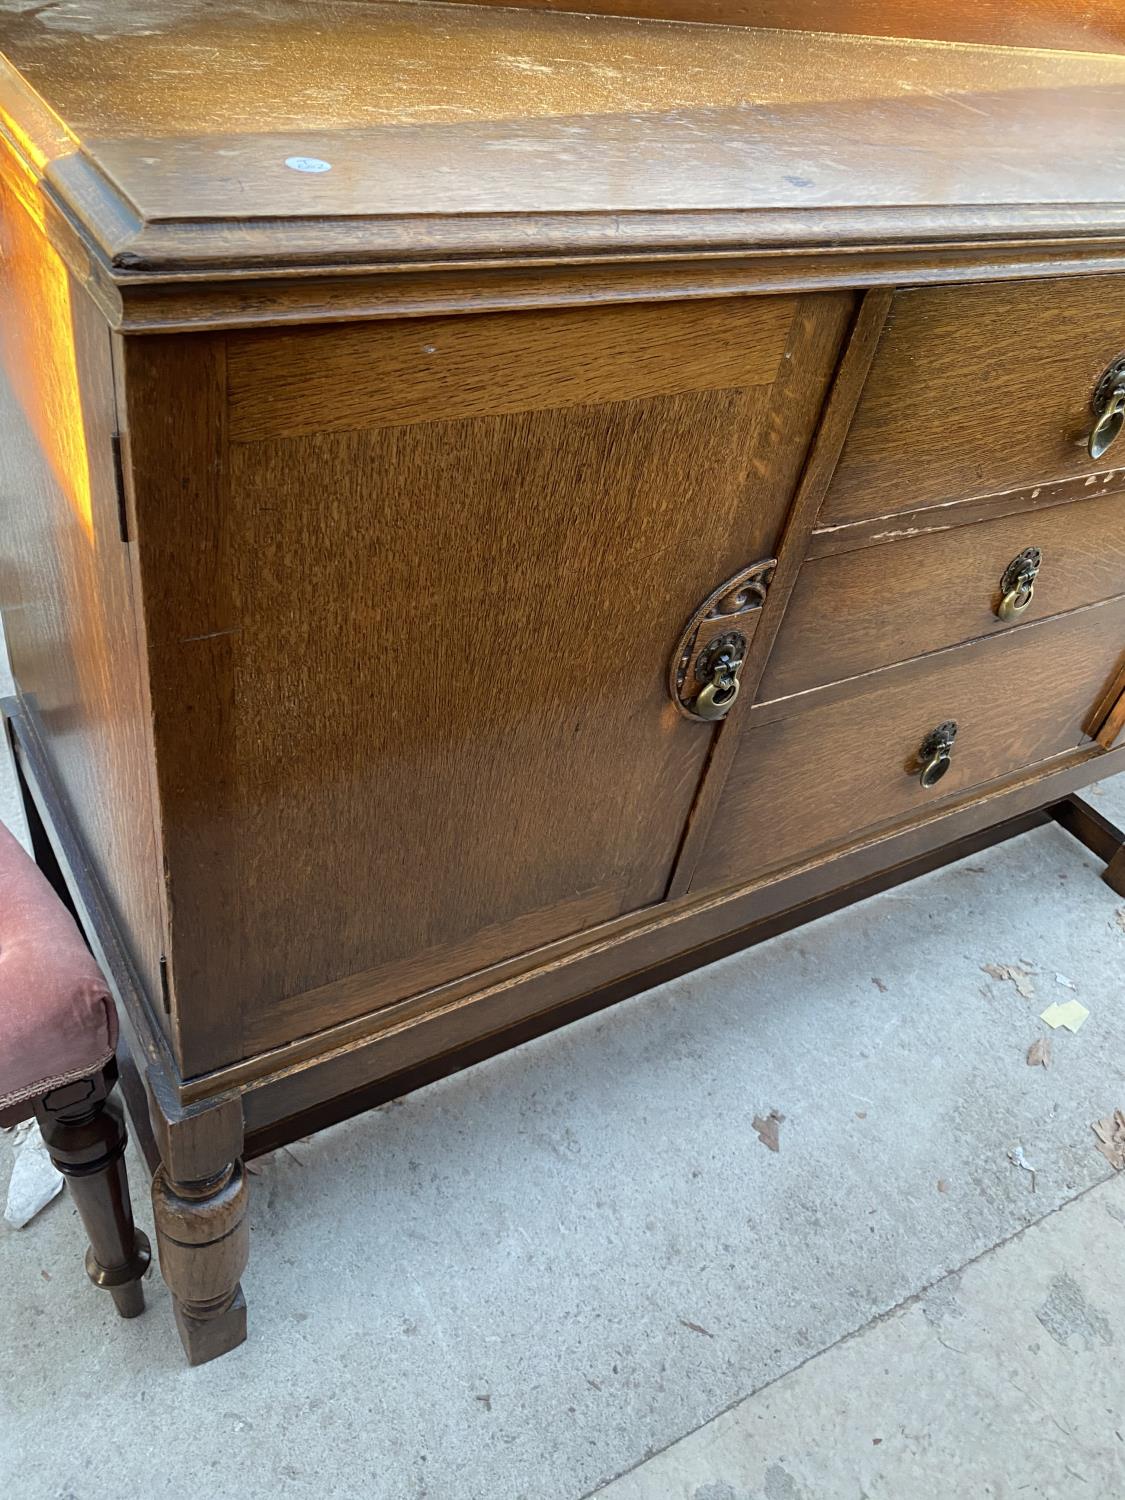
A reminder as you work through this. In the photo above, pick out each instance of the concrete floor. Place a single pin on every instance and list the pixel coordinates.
(576, 1270)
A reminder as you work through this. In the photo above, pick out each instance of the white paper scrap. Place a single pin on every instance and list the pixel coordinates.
(34, 1182)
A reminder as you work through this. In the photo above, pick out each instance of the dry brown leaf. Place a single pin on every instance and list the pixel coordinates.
(942, 1185)
(1121, 917)
(879, 985)
(767, 1129)
(1039, 1053)
(1111, 1138)
(1021, 978)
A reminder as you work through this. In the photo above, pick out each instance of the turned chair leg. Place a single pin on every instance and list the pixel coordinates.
(84, 1131)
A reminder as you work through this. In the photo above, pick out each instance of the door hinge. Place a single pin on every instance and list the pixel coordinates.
(119, 481)
(164, 993)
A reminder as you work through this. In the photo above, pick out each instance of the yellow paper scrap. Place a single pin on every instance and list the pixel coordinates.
(1071, 1015)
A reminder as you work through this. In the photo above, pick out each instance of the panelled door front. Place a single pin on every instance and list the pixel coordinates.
(410, 661)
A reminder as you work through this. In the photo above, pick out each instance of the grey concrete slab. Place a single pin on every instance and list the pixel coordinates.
(523, 1280)
(1002, 1380)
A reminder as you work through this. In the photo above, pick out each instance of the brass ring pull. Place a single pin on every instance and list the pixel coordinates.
(717, 699)
(1109, 408)
(936, 754)
(1109, 424)
(1015, 601)
(1017, 586)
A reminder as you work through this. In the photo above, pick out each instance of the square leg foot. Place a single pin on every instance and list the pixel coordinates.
(205, 1339)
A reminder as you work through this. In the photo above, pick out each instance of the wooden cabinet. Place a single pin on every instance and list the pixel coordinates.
(477, 541)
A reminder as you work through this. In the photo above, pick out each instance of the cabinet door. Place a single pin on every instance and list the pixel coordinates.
(411, 591)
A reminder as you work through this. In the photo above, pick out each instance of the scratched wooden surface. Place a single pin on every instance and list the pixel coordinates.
(1080, 25)
(427, 112)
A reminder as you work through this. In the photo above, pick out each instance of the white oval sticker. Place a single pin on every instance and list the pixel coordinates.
(308, 164)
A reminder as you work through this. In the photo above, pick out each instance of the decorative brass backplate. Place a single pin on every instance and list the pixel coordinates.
(732, 610)
(1017, 586)
(935, 754)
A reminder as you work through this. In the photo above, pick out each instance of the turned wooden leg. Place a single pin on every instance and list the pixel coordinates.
(1098, 833)
(84, 1132)
(203, 1236)
(200, 1197)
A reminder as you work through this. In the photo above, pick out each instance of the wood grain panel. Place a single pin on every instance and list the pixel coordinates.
(977, 390)
(861, 610)
(817, 777)
(409, 680)
(175, 453)
(65, 590)
(386, 374)
(460, 709)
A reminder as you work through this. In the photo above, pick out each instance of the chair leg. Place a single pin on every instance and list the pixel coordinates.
(84, 1131)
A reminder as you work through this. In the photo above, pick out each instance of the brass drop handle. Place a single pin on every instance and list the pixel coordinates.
(1017, 586)
(1109, 408)
(1108, 424)
(936, 753)
(716, 698)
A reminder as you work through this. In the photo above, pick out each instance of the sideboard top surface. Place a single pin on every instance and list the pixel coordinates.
(171, 136)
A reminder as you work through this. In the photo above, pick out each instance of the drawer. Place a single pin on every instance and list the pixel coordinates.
(857, 611)
(979, 389)
(815, 778)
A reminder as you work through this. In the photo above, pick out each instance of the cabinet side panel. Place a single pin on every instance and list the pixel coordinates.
(65, 588)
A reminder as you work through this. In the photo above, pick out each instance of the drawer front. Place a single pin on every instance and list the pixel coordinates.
(815, 779)
(977, 390)
(857, 611)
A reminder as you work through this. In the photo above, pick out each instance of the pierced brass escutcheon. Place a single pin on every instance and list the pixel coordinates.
(713, 644)
(936, 753)
(1017, 586)
(1109, 408)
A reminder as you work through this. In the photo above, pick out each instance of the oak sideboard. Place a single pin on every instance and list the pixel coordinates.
(502, 506)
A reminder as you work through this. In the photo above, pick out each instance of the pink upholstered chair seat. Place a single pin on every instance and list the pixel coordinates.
(58, 1022)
